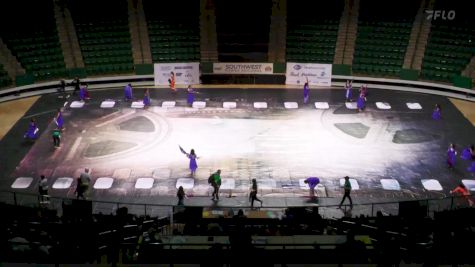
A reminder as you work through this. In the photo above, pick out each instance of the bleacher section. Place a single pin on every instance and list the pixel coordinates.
(451, 43)
(383, 36)
(4, 78)
(243, 30)
(174, 31)
(312, 29)
(34, 40)
(103, 32)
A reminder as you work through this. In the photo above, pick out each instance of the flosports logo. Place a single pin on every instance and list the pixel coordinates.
(440, 14)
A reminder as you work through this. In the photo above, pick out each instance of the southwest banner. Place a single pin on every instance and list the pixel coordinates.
(243, 68)
(186, 73)
(317, 74)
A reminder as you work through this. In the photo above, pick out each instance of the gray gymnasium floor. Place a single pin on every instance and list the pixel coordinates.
(387, 151)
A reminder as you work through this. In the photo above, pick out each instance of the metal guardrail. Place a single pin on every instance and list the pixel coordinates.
(370, 209)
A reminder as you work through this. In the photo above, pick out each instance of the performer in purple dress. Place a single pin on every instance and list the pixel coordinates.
(472, 167)
(451, 156)
(468, 153)
(306, 92)
(58, 119)
(361, 104)
(84, 93)
(128, 92)
(32, 132)
(191, 95)
(312, 183)
(192, 156)
(364, 90)
(436, 115)
(349, 93)
(146, 98)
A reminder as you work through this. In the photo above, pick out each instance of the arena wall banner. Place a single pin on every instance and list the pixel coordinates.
(186, 73)
(243, 68)
(318, 74)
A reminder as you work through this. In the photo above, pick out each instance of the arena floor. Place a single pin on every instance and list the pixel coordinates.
(389, 152)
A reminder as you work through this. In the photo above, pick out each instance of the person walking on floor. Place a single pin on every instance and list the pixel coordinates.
(83, 183)
(347, 187)
(57, 138)
(215, 181)
(180, 195)
(43, 188)
(253, 193)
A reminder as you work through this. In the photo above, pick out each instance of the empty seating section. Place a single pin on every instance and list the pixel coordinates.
(103, 32)
(450, 46)
(4, 78)
(174, 35)
(312, 30)
(35, 44)
(243, 30)
(382, 37)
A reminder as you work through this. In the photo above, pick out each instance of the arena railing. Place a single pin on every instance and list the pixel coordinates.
(425, 207)
(338, 81)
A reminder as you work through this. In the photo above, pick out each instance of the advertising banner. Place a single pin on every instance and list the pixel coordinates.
(317, 74)
(243, 68)
(185, 73)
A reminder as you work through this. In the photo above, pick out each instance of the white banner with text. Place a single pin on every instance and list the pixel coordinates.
(317, 74)
(243, 68)
(185, 73)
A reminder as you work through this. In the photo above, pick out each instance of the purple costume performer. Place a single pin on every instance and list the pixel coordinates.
(361, 104)
(191, 96)
(349, 93)
(83, 93)
(467, 153)
(32, 132)
(472, 167)
(146, 99)
(128, 92)
(312, 183)
(451, 156)
(192, 156)
(306, 93)
(436, 115)
(59, 120)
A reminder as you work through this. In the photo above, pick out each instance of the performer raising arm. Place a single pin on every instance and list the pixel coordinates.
(192, 156)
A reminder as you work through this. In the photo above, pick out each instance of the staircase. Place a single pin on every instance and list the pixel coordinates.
(9, 62)
(139, 38)
(422, 38)
(351, 32)
(67, 36)
(278, 32)
(342, 34)
(208, 36)
(416, 28)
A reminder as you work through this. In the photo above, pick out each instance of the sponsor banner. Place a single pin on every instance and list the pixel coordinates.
(317, 74)
(186, 73)
(243, 68)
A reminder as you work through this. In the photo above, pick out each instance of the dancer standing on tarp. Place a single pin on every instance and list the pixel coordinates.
(451, 156)
(191, 95)
(84, 93)
(146, 98)
(172, 81)
(361, 104)
(468, 153)
(128, 92)
(349, 93)
(32, 132)
(58, 119)
(306, 92)
(436, 114)
(192, 156)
